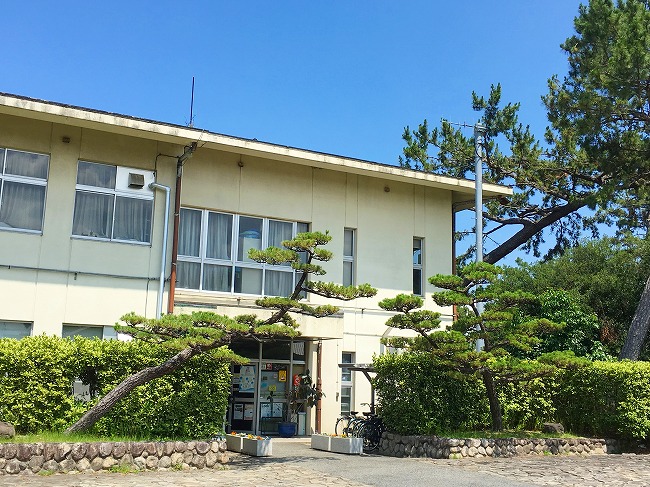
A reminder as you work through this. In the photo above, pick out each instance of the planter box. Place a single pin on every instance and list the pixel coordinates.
(234, 443)
(351, 446)
(257, 448)
(321, 442)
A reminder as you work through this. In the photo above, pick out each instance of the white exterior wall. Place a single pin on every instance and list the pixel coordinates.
(53, 278)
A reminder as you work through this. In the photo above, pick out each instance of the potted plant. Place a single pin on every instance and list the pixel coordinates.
(303, 394)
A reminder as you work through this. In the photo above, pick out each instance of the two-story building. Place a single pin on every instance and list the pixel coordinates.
(86, 237)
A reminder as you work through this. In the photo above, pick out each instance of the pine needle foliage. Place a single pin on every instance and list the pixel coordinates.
(499, 326)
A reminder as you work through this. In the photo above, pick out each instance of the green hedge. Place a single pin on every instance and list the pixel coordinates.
(416, 398)
(605, 399)
(610, 399)
(36, 376)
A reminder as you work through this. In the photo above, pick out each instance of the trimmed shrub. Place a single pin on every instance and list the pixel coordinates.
(610, 399)
(36, 376)
(418, 399)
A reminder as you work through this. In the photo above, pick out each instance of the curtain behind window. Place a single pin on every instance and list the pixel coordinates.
(132, 219)
(189, 234)
(22, 206)
(219, 236)
(93, 214)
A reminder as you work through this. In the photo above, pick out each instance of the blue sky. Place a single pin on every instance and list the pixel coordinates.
(337, 77)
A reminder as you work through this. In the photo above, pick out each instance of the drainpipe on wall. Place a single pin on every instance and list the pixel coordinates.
(177, 219)
(163, 259)
(187, 153)
(319, 383)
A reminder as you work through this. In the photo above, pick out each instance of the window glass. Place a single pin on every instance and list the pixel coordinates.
(248, 281)
(250, 237)
(189, 233)
(110, 211)
(417, 251)
(132, 219)
(13, 329)
(278, 283)
(93, 215)
(346, 399)
(245, 348)
(22, 205)
(347, 274)
(219, 236)
(276, 350)
(348, 242)
(26, 164)
(417, 282)
(217, 277)
(70, 331)
(98, 175)
(278, 232)
(188, 275)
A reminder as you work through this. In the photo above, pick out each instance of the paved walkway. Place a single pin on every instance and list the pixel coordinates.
(295, 464)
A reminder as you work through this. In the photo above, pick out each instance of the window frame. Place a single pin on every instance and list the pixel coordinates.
(20, 179)
(419, 266)
(29, 324)
(351, 258)
(233, 263)
(347, 384)
(115, 192)
(106, 333)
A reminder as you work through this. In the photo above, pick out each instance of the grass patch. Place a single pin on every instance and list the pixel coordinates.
(503, 434)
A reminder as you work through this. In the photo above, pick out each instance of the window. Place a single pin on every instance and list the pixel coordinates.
(346, 383)
(213, 253)
(15, 329)
(101, 332)
(348, 256)
(417, 266)
(111, 204)
(23, 180)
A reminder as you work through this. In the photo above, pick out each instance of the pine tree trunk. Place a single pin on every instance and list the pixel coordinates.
(638, 331)
(107, 402)
(495, 407)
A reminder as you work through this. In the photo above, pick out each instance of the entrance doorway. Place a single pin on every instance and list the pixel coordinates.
(257, 401)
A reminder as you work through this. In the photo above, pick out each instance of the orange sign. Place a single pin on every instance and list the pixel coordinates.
(282, 375)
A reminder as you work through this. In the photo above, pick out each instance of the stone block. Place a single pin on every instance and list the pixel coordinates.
(168, 448)
(92, 451)
(210, 459)
(127, 459)
(12, 467)
(24, 452)
(119, 449)
(7, 430)
(555, 428)
(202, 447)
(176, 458)
(50, 466)
(67, 465)
(180, 446)
(83, 465)
(198, 461)
(108, 462)
(136, 448)
(10, 451)
(96, 463)
(152, 462)
(35, 463)
(140, 463)
(164, 462)
(78, 451)
(105, 449)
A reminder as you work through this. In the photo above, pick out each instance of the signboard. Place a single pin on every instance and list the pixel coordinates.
(282, 376)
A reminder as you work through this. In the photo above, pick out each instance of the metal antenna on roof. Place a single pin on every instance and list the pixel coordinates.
(191, 124)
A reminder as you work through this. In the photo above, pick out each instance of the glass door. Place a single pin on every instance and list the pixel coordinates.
(244, 398)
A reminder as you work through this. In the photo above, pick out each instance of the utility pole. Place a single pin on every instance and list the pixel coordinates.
(479, 141)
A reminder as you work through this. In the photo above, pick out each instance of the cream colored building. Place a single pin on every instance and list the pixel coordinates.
(82, 234)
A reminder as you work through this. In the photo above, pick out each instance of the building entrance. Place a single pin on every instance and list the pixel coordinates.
(259, 388)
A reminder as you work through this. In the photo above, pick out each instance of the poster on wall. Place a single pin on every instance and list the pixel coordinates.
(248, 412)
(247, 378)
(282, 375)
(238, 412)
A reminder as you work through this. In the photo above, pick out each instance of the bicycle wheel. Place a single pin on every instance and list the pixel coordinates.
(371, 433)
(341, 425)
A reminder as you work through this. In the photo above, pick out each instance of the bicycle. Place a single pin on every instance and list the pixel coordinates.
(370, 428)
(346, 425)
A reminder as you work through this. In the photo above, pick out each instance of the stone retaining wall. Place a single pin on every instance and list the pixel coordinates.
(31, 458)
(436, 447)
